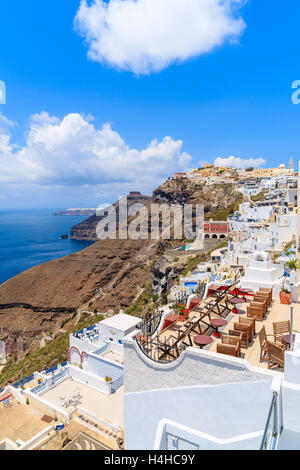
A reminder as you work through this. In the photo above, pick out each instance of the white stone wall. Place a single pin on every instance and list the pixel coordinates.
(194, 367)
(210, 393)
(229, 412)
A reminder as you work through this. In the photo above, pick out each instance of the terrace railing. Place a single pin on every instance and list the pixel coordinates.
(158, 351)
(270, 437)
(53, 369)
(149, 325)
(49, 382)
(117, 384)
(25, 381)
(40, 388)
(181, 298)
(100, 351)
(59, 376)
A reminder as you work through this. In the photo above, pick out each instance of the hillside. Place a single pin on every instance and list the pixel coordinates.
(219, 200)
(40, 299)
(104, 277)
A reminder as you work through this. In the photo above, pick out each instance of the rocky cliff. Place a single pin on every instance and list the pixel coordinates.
(86, 230)
(105, 276)
(218, 200)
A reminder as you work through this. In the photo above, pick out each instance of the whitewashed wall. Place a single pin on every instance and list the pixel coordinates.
(99, 367)
(214, 394)
(194, 367)
(98, 383)
(222, 411)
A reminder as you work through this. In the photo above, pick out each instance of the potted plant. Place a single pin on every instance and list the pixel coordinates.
(285, 295)
(183, 312)
(292, 265)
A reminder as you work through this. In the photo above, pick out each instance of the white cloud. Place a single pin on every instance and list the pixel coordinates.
(147, 36)
(241, 163)
(73, 152)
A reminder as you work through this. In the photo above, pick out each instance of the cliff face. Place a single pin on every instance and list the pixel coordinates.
(86, 230)
(218, 200)
(107, 273)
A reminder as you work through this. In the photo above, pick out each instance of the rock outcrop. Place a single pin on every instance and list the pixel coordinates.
(218, 200)
(164, 275)
(86, 230)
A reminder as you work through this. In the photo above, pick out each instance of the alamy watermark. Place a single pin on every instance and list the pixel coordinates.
(153, 221)
(2, 92)
(296, 93)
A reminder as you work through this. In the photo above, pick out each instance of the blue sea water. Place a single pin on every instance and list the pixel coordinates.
(32, 237)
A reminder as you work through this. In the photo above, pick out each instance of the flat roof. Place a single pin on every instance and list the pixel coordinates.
(121, 322)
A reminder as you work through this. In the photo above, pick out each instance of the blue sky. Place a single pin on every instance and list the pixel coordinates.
(233, 100)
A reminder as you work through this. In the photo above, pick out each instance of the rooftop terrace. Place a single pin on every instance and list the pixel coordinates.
(180, 332)
(106, 407)
(19, 422)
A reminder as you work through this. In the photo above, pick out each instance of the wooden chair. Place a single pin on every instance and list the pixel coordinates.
(263, 344)
(269, 292)
(232, 340)
(249, 321)
(228, 349)
(261, 306)
(261, 300)
(255, 311)
(242, 327)
(281, 328)
(246, 333)
(262, 297)
(275, 354)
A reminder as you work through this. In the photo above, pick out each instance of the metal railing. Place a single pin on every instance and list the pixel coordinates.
(117, 384)
(271, 430)
(25, 381)
(49, 382)
(157, 351)
(100, 351)
(149, 326)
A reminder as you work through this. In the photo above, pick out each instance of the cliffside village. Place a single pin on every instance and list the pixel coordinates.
(227, 340)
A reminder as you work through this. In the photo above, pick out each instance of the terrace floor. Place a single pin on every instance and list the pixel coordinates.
(107, 407)
(276, 312)
(112, 356)
(20, 422)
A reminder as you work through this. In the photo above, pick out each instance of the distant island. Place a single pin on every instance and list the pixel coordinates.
(67, 212)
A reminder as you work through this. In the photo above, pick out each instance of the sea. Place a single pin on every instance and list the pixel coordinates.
(32, 237)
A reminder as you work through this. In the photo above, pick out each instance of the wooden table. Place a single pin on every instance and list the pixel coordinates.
(202, 340)
(236, 301)
(218, 323)
(287, 339)
(245, 292)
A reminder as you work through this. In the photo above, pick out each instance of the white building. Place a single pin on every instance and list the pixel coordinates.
(117, 326)
(262, 272)
(96, 353)
(252, 189)
(284, 230)
(248, 213)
